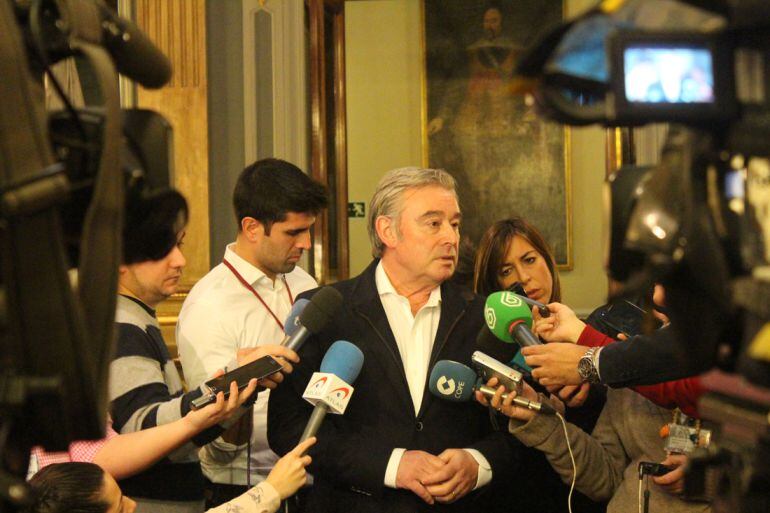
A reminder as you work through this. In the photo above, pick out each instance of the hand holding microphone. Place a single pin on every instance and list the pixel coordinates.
(305, 318)
(282, 354)
(456, 382)
(561, 326)
(508, 317)
(279, 351)
(521, 406)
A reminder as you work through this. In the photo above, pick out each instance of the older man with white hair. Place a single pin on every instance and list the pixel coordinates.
(397, 448)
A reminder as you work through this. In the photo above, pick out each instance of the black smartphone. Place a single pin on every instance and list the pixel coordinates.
(615, 318)
(242, 375)
(648, 468)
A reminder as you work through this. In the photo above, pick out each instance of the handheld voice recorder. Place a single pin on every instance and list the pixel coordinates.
(488, 368)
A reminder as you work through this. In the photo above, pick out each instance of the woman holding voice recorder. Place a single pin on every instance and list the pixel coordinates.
(606, 462)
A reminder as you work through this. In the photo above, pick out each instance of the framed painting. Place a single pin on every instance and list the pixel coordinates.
(507, 161)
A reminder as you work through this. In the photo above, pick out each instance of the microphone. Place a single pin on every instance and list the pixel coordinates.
(330, 388)
(313, 318)
(488, 343)
(456, 382)
(134, 54)
(291, 324)
(518, 289)
(509, 318)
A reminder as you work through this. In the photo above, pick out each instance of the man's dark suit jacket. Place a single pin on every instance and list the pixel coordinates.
(352, 452)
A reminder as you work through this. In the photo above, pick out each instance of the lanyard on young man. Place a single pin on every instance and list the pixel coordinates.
(253, 291)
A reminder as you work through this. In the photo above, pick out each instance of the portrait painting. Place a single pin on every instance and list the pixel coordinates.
(479, 127)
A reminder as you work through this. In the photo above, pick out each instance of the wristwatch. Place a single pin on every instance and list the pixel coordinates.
(588, 365)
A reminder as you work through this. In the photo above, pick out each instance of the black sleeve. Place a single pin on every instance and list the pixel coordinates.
(647, 360)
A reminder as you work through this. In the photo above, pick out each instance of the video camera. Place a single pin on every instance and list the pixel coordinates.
(698, 221)
(62, 188)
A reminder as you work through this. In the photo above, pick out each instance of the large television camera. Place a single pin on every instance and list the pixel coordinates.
(63, 180)
(699, 221)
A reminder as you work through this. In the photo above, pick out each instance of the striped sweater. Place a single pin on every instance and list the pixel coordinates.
(146, 391)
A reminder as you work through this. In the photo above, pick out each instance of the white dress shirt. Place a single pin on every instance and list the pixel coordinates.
(414, 336)
(219, 317)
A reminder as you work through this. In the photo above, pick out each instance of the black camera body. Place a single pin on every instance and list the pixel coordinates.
(56, 338)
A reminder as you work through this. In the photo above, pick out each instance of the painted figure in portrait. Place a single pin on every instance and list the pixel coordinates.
(507, 161)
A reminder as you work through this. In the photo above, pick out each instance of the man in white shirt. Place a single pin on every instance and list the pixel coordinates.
(397, 448)
(241, 305)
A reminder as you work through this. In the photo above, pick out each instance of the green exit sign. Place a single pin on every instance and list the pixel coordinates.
(356, 209)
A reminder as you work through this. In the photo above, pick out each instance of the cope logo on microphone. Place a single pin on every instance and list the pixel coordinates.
(490, 317)
(510, 299)
(445, 386)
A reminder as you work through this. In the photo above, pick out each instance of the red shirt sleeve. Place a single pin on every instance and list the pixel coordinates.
(681, 393)
(591, 337)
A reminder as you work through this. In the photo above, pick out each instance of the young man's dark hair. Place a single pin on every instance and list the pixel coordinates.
(152, 224)
(270, 188)
(68, 487)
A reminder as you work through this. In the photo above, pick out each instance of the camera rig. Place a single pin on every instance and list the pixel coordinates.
(698, 222)
(57, 339)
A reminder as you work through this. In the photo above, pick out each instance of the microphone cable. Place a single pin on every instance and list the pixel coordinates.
(572, 459)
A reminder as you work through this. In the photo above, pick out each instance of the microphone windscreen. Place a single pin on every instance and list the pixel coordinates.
(501, 309)
(292, 323)
(323, 305)
(452, 381)
(134, 54)
(344, 360)
(489, 344)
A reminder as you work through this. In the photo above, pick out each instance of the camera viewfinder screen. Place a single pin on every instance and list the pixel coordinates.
(668, 75)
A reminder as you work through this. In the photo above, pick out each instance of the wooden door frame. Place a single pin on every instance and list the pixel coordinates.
(322, 129)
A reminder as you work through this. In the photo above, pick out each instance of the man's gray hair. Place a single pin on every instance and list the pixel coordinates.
(387, 197)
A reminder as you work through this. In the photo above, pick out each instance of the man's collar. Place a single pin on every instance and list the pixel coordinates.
(385, 286)
(251, 273)
(141, 303)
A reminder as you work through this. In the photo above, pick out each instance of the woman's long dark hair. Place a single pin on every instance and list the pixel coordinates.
(68, 488)
(494, 247)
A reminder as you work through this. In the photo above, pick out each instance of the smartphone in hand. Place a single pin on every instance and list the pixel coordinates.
(242, 375)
